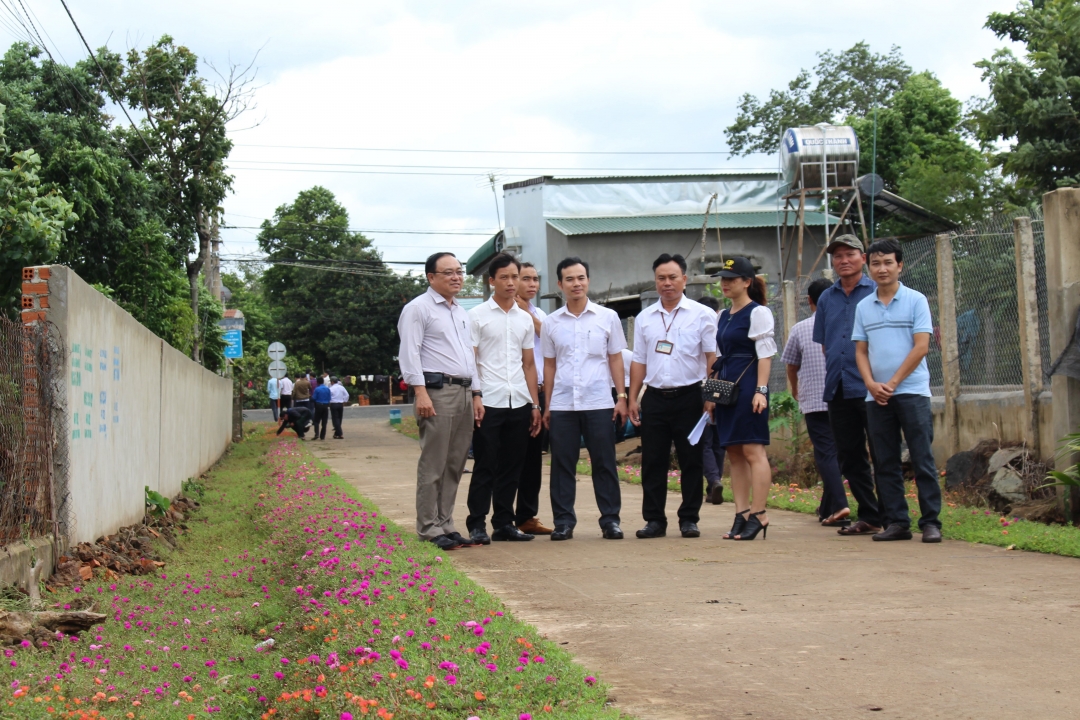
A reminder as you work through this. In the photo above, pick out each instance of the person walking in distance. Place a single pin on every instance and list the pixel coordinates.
(674, 347)
(285, 388)
(338, 397)
(745, 344)
(274, 391)
(845, 393)
(892, 336)
(582, 344)
(806, 382)
(528, 494)
(321, 397)
(712, 454)
(437, 361)
(302, 394)
(502, 336)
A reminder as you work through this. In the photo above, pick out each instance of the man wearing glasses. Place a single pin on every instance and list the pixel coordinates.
(437, 360)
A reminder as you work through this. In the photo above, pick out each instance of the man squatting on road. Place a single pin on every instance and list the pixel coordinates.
(437, 361)
(502, 336)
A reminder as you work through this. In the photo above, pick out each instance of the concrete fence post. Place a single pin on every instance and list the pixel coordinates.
(791, 308)
(1028, 312)
(950, 349)
(1061, 214)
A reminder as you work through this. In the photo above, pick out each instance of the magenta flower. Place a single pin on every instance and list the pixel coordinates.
(450, 680)
(590, 680)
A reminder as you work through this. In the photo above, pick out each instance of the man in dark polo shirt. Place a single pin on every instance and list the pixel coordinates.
(845, 391)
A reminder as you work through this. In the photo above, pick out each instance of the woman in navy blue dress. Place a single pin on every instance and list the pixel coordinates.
(744, 348)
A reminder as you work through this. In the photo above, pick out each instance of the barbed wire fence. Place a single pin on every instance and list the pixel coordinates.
(34, 498)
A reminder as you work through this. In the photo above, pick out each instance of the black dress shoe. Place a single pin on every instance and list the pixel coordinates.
(562, 532)
(613, 532)
(896, 531)
(931, 534)
(479, 537)
(689, 530)
(716, 494)
(652, 529)
(510, 532)
(445, 542)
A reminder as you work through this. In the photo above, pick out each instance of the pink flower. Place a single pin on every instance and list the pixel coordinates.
(450, 680)
(590, 680)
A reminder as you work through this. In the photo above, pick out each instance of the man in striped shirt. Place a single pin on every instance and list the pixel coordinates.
(805, 362)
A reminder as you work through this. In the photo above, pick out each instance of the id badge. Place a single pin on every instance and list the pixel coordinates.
(664, 347)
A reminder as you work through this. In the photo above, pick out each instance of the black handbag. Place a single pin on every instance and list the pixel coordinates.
(723, 392)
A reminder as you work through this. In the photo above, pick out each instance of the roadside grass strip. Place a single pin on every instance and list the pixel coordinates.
(291, 597)
(958, 522)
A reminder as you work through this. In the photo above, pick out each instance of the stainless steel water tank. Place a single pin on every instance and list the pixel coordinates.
(804, 147)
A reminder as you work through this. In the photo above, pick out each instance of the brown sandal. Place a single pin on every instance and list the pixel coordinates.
(860, 528)
(838, 518)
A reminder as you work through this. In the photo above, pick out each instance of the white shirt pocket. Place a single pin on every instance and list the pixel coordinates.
(597, 343)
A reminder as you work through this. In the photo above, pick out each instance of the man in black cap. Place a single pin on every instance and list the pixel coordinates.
(845, 391)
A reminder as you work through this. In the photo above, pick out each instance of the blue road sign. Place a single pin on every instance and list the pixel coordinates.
(234, 343)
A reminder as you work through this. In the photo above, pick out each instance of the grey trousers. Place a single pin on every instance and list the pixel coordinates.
(444, 447)
(567, 429)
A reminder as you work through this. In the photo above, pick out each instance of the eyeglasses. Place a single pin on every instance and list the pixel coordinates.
(450, 273)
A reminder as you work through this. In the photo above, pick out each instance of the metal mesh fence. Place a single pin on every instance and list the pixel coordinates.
(31, 450)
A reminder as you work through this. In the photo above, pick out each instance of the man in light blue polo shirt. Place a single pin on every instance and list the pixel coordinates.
(892, 336)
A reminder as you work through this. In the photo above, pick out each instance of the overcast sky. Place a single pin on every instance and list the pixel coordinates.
(557, 78)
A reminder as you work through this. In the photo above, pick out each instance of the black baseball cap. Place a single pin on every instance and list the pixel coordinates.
(737, 267)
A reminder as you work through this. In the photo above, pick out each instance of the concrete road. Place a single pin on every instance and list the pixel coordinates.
(803, 625)
(353, 412)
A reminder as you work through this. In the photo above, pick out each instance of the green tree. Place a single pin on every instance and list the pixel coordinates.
(32, 223)
(852, 82)
(182, 145)
(330, 293)
(1034, 102)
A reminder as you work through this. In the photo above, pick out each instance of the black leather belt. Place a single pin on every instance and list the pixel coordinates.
(675, 392)
(451, 380)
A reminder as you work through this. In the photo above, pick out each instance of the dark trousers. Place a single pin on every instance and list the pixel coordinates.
(911, 415)
(713, 457)
(285, 402)
(567, 429)
(322, 411)
(833, 497)
(848, 420)
(664, 420)
(499, 450)
(528, 494)
(274, 408)
(336, 412)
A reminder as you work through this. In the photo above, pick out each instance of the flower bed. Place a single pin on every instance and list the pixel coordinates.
(291, 597)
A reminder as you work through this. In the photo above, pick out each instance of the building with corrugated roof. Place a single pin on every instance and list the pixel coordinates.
(619, 225)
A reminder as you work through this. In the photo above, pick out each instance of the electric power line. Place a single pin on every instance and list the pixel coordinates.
(391, 232)
(502, 152)
(531, 168)
(621, 172)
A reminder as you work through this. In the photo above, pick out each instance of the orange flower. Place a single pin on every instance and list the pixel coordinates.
(479, 695)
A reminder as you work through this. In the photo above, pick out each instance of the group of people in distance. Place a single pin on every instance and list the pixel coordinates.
(309, 399)
(504, 374)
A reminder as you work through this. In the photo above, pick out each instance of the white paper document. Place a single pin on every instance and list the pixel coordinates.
(695, 434)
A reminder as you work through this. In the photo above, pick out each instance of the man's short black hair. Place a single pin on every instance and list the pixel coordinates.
(527, 264)
(570, 262)
(433, 261)
(886, 247)
(665, 259)
(816, 288)
(500, 261)
(710, 302)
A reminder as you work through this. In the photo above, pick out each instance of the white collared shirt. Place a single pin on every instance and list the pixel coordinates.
(538, 351)
(691, 330)
(286, 386)
(338, 393)
(435, 338)
(500, 337)
(581, 346)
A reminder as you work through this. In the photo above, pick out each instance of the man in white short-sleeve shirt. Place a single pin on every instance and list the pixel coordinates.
(582, 345)
(528, 494)
(674, 347)
(503, 338)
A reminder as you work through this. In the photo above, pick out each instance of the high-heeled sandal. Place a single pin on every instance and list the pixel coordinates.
(737, 526)
(753, 527)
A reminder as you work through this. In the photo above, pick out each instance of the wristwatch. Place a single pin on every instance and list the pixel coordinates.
(763, 389)
(477, 393)
(536, 407)
(622, 395)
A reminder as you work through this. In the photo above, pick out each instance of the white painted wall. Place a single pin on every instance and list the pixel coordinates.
(139, 412)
